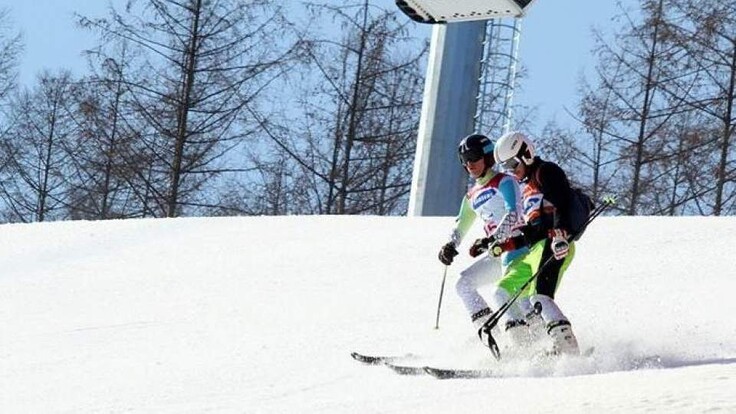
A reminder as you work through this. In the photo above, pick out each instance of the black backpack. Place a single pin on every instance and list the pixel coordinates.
(580, 207)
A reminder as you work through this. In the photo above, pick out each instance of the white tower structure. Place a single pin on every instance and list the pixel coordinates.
(448, 112)
(469, 88)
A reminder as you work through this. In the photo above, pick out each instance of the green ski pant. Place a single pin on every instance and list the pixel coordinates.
(521, 269)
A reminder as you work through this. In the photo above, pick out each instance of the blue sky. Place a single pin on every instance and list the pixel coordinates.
(555, 46)
(52, 40)
(556, 49)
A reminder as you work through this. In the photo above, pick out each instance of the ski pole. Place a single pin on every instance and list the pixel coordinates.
(496, 316)
(439, 304)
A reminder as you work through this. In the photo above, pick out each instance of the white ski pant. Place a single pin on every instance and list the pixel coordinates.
(482, 273)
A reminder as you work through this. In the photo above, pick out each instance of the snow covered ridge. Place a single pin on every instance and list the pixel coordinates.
(260, 314)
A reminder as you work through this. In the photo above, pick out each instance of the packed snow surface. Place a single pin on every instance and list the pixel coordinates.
(260, 315)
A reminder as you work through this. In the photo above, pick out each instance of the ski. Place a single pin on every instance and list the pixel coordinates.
(449, 373)
(378, 359)
(452, 373)
(406, 369)
(439, 373)
(401, 364)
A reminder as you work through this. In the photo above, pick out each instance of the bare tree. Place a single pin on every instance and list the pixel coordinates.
(109, 165)
(359, 97)
(203, 63)
(708, 36)
(11, 46)
(588, 153)
(35, 186)
(633, 78)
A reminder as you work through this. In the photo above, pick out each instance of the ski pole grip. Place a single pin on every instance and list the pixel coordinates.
(496, 250)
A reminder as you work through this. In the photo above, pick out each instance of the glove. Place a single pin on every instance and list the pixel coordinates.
(447, 253)
(497, 248)
(480, 246)
(513, 241)
(559, 245)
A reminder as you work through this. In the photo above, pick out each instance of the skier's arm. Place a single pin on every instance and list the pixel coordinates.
(509, 190)
(463, 221)
(556, 189)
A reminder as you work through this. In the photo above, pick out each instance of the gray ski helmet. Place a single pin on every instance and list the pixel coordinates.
(474, 147)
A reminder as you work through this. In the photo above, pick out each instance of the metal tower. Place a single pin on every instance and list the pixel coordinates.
(469, 88)
(494, 113)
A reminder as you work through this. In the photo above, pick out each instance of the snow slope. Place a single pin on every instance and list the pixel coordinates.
(259, 315)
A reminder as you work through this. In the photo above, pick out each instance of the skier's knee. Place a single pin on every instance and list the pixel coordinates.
(463, 285)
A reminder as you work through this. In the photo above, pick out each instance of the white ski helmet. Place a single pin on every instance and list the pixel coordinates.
(513, 148)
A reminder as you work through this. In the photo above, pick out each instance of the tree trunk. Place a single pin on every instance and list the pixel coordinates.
(354, 109)
(644, 116)
(728, 127)
(183, 113)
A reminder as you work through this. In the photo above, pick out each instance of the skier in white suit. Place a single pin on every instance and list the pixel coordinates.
(495, 198)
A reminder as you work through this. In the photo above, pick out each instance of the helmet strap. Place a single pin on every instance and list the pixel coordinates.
(524, 155)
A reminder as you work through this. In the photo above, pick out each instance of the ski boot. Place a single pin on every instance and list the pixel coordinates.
(563, 339)
(518, 332)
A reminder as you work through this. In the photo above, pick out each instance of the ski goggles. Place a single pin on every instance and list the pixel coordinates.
(510, 165)
(470, 156)
(475, 154)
